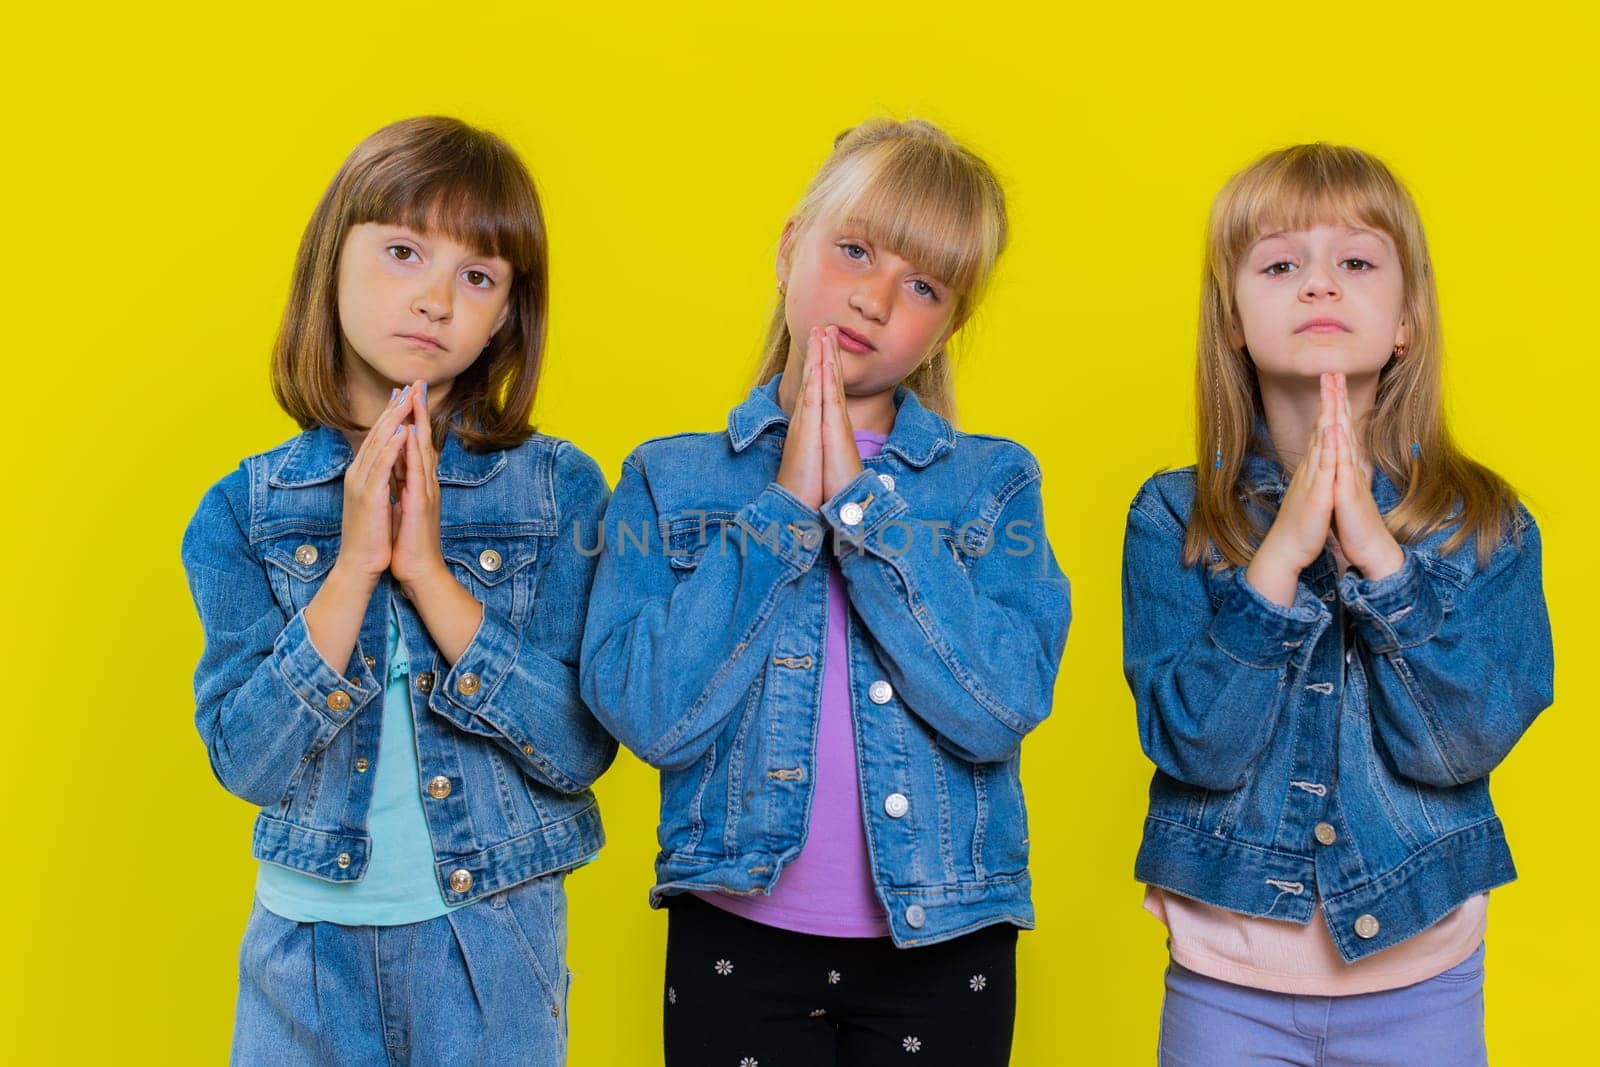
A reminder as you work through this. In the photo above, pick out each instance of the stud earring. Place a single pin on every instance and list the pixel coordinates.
(1400, 350)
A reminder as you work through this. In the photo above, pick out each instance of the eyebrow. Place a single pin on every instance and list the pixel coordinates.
(1358, 231)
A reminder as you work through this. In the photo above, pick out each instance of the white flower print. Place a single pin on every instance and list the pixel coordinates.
(977, 982)
(724, 967)
(749, 1061)
(818, 1013)
(912, 1044)
(833, 977)
(672, 995)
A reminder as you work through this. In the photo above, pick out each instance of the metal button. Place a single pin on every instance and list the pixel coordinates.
(1326, 834)
(527, 750)
(438, 787)
(305, 555)
(467, 684)
(1350, 656)
(880, 692)
(489, 560)
(1367, 927)
(915, 916)
(887, 481)
(343, 860)
(460, 880)
(850, 514)
(338, 700)
(896, 805)
(362, 765)
(425, 682)
(369, 661)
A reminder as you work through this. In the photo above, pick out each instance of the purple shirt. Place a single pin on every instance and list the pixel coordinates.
(827, 889)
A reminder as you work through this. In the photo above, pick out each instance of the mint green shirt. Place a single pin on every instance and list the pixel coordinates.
(399, 886)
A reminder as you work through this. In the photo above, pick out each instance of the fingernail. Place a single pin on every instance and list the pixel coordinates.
(404, 393)
(424, 392)
(398, 430)
(392, 394)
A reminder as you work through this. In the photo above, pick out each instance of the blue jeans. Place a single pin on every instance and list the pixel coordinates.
(483, 984)
(1438, 1021)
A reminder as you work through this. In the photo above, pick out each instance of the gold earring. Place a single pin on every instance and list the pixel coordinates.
(1400, 350)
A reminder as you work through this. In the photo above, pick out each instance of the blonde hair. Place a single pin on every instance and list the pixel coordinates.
(437, 174)
(1301, 187)
(922, 196)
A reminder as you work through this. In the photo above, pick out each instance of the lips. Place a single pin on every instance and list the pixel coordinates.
(851, 341)
(424, 340)
(1323, 326)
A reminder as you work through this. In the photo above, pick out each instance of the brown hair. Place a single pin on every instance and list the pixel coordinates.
(1298, 188)
(428, 174)
(926, 198)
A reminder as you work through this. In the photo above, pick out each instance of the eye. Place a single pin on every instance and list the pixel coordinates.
(404, 253)
(478, 280)
(1281, 267)
(853, 250)
(924, 290)
(1355, 263)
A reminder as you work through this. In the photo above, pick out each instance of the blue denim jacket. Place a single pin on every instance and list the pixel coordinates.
(506, 747)
(704, 653)
(1339, 749)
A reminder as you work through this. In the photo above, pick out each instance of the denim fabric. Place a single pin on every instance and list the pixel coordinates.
(484, 984)
(1440, 1021)
(1374, 710)
(705, 644)
(293, 734)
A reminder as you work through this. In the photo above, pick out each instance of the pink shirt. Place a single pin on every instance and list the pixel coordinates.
(1288, 958)
(827, 889)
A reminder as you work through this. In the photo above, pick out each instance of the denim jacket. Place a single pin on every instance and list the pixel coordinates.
(506, 748)
(1337, 750)
(704, 654)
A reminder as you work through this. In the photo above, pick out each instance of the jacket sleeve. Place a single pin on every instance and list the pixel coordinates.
(666, 660)
(1208, 683)
(1455, 684)
(526, 697)
(265, 702)
(973, 655)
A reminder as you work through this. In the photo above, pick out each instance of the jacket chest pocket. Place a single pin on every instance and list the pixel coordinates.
(296, 566)
(688, 537)
(499, 571)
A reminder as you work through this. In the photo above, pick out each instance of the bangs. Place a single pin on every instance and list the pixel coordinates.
(919, 201)
(460, 182)
(1309, 186)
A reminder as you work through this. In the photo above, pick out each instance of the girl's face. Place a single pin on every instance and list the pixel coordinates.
(1327, 299)
(415, 305)
(891, 316)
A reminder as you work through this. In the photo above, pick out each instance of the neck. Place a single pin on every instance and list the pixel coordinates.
(369, 395)
(1292, 406)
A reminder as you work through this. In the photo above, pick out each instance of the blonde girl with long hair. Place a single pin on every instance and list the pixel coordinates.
(1334, 629)
(831, 625)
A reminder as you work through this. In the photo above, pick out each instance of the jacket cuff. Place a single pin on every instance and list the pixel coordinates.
(778, 521)
(859, 512)
(324, 690)
(1257, 632)
(1394, 612)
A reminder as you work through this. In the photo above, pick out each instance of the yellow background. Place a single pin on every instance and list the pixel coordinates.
(161, 166)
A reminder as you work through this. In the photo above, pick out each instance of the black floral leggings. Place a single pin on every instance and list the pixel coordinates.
(740, 994)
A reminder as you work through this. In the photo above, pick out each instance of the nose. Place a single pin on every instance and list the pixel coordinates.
(435, 297)
(873, 296)
(1319, 281)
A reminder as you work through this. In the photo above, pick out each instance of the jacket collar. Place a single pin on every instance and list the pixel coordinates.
(322, 454)
(1263, 474)
(919, 436)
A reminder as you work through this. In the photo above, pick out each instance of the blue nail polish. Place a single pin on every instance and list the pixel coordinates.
(405, 394)
(424, 392)
(392, 394)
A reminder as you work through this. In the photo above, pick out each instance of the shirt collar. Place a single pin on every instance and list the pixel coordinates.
(919, 436)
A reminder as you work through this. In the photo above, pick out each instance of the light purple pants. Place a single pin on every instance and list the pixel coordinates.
(1205, 1022)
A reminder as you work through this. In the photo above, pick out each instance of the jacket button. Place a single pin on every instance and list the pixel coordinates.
(369, 661)
(850, 514)
(887, 481)
(915, 916)
(338, 700)
(425, 682)
(489, 560)
(527, 750)
(361, 765)
(343, 860)
(880, 692)
(1326, 834)
(896, 805)
(467, 684)
(305, 555)
(438, 787)
(1367, 927)
(460, 880)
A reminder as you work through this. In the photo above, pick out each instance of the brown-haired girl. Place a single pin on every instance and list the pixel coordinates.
(1334, 630)
(390, 665)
